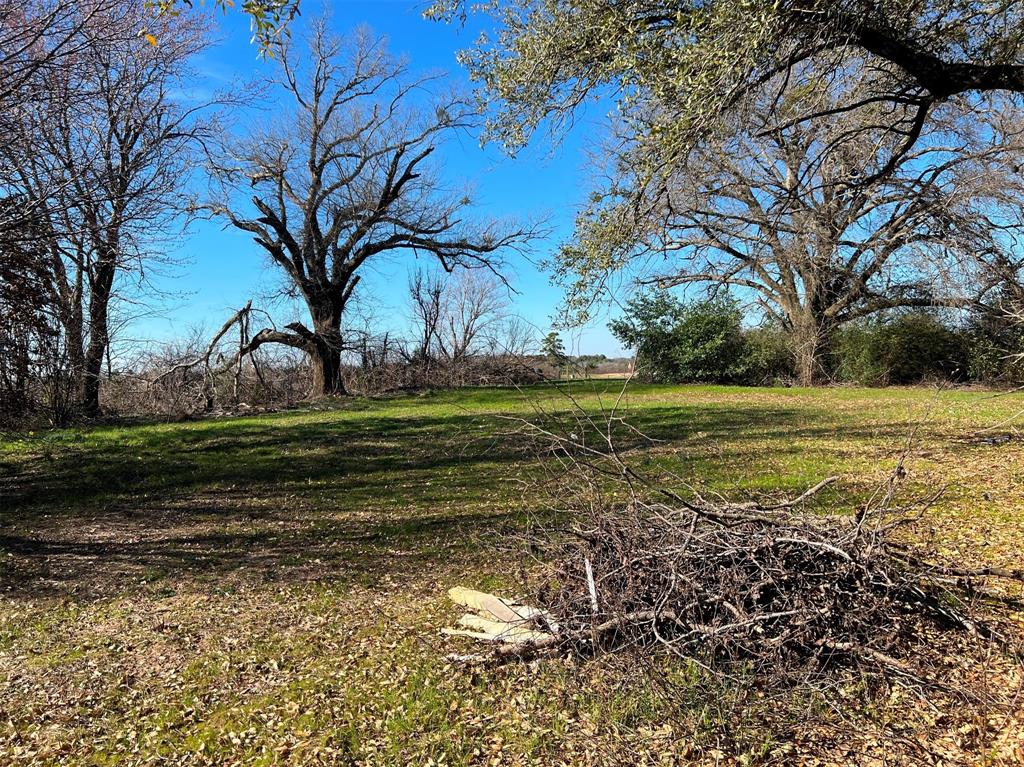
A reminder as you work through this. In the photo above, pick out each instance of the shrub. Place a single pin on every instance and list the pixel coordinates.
(769, 356)
(855, 355)
(676, 342)
(906, 349)
(995, 343)
(705, 342)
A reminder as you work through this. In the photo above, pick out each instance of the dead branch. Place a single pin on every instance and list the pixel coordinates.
(237, 318)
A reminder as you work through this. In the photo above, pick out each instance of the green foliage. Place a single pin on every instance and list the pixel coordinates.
(769, 356)
(692, 57)
(996, 345)
(987, 359)
(550, 55)
(268, 19)
(677, 342)
(854, 355)
(587, 363)
(552, 348)
(907, 349)
(705, 341)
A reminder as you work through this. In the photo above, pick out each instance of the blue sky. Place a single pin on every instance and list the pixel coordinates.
(218, 270)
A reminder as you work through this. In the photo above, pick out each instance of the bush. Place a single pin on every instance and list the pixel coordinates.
(906, 349)
(677, 343)
(854, 352)
(712, 346)
(705, 342)
(769, 356)
(995, 343)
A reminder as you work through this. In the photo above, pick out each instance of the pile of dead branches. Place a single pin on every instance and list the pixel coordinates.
(762, 585)
(648, 563)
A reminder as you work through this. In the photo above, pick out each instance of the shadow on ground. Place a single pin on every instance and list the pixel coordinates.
(350, 496)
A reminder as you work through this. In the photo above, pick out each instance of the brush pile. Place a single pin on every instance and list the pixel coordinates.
(649, 564)
(769, 586)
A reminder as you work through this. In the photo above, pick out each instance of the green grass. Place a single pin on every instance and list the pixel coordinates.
(268, 589)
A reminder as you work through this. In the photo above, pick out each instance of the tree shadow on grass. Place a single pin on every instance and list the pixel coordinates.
(321, 498)
(85, 568)
(300, 459)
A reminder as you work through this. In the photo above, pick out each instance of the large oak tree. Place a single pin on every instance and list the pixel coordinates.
(782, 215)
(344, 177)
(685, 71)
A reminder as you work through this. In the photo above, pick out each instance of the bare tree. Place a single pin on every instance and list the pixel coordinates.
(455, 319)
(343, 180)
(37, 37)
(475, 306)
(104, 158)
(781, 214)
(514, 337)
(426, 306)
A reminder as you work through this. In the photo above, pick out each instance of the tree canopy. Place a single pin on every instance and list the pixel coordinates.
(697, 58)
(268, 19)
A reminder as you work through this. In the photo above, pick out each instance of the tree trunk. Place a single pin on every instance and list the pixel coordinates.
(325, 351)
(99, 337)
(71, 313)
(326, 361)
(91, 384)
(810, 347)
(93, 364)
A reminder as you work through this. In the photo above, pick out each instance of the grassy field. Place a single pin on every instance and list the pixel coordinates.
(269, 589)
